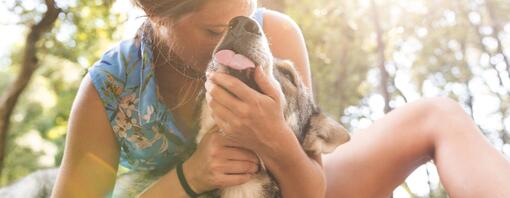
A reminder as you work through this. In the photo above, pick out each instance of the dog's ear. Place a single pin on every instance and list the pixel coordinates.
(287, 72)
(324, 134)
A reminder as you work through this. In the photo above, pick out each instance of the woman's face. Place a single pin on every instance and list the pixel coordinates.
(195, 35)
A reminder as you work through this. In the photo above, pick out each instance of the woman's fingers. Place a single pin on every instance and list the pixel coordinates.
(234, 86)
(223, 97)
(222, 115)
(239, 167)
(240, 154)
(266, 86)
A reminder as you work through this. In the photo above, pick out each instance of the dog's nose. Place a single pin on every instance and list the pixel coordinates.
(242, 25)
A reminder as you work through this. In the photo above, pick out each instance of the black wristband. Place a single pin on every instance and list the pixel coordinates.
(184, 183)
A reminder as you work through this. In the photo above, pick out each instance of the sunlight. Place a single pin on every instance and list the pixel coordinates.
(36, 143)
(42, 94)
(11, 35)
(135, 17)
(100, 162)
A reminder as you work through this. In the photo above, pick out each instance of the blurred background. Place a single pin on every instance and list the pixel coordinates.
(367, 56)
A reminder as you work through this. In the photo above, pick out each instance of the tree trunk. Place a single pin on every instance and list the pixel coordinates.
(381, 61)
(29, 64)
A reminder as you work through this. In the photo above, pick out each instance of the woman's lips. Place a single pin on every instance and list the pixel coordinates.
(235, 61)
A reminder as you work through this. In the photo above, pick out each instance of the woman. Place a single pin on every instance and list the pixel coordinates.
(137, 103)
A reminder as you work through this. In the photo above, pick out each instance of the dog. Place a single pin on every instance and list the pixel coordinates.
(316, 132)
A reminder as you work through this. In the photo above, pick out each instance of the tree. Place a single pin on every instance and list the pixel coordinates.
(381, 58)
(9, 98)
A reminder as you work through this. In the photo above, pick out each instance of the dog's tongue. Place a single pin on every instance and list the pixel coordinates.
(233, 60)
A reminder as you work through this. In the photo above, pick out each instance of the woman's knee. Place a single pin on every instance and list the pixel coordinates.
(442, 115)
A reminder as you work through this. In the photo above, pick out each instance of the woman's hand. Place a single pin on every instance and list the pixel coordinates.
(249, 118)
(218, 163)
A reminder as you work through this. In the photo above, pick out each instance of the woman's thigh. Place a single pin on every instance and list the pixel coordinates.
(380, 157)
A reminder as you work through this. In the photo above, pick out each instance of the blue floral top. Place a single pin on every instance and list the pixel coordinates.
(143, 126)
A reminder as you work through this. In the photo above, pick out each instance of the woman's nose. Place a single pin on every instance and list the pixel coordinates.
(241, 25)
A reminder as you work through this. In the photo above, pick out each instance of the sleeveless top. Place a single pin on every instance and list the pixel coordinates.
(144, 127)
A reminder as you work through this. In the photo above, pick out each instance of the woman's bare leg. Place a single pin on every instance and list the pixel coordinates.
(379, 158)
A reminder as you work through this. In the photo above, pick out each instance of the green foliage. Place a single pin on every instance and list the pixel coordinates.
(81, 34)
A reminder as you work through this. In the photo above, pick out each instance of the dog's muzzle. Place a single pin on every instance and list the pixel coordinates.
(242, 38)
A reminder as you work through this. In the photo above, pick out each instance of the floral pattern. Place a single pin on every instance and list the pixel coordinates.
(144, 127)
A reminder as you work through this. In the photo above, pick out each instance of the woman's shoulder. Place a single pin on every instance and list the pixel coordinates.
(276, 19)
(120, 59)
(287, 41)
(281, 30)
(116, 69)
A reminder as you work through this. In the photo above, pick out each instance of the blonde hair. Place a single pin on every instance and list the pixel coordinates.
(168, 8)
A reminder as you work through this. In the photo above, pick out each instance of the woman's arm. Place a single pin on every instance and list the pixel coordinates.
(91, 153)
(213, 165)
(166, 185)
(255, 121)
(298, 174)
